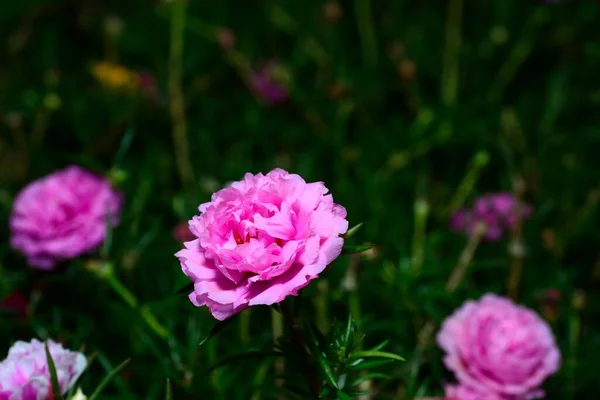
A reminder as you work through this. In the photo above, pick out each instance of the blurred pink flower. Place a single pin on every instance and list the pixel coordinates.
(497, 348)
(498, 212)
(266, 83)
(261, 240)
(24, 373)
(62, 216)
(462, 392)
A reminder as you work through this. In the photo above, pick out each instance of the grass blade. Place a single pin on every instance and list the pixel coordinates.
(53, 375)
(108, 378)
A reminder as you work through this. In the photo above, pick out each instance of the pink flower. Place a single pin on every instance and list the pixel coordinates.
(461, 392)
(24, 373)
(261, 240)
(496, 212)
(497, 348)
(62, 216)
(267, 83)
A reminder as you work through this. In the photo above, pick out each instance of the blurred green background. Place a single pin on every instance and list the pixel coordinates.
(405, 109)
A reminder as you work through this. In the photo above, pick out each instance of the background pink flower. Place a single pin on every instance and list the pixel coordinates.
(498, 348)
(24, 373)
(62, 216)
(260, 240)
(498, 212)
(267, 83)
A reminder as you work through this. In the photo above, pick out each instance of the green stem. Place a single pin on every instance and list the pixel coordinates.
(421, 210)
(465, 259)
(519, 53)
(366, 31)
(105, 271)
(450, 73)
(465, 188)
(300, 342)
(176, 103)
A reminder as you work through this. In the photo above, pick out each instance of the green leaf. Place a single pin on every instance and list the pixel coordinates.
(375, 353)
(368, 377)
(217, 328)
(361, 364)
(352, 230)
(348, 332)
(108, 378)
(343, 396)
(381, 345)
(188, 287)
(53, 376)
(318, 354)
(355, 249)
(124, 146)
(168, 390)
(245, 356)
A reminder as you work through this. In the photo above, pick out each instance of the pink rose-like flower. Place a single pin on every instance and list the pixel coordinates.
(497, 348)
(462, 392)
(24, 373)
(260, 240)
(497, 212)
(62, 216)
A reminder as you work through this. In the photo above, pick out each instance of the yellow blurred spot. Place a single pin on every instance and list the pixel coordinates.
(115, 76)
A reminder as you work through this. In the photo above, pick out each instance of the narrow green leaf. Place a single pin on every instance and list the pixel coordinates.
(188, 287)
(53, 375)
(217, 328)
(245, 356)
(381, 345)
(361, 364)
(168, 390)
(375, 353)
(355, 249)
(352, 230)
(368, 377)
(343, 396)
(318, 354)
(124, 146)
(326, 369)
(348, 332)
(107, 379)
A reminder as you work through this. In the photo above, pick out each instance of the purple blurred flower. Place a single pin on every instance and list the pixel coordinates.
(497, 212)
(267, 83)
(24, 373)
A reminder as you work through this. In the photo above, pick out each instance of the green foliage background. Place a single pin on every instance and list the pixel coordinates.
(389, 105)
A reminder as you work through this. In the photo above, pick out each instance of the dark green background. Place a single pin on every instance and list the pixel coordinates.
(527, 94)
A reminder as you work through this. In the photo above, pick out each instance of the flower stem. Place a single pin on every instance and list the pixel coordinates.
(517, 247)
(366, 31)
(176, 102)
(465, 259)
(105, 271)
(300, 342)
(450, 72)
(421, 210)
